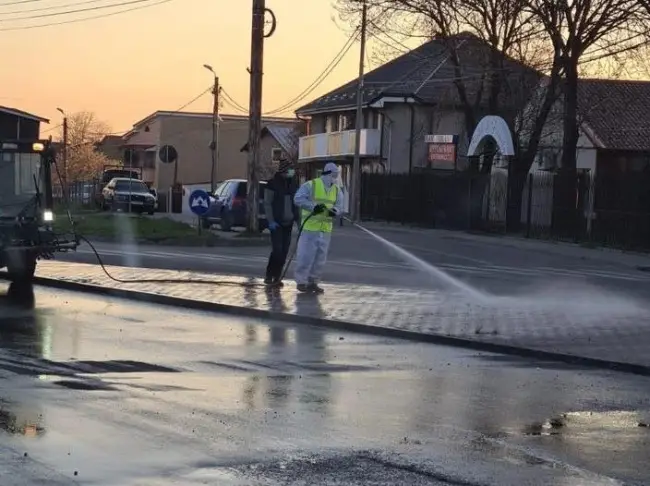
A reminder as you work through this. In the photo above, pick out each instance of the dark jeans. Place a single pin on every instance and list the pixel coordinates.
(281, 241)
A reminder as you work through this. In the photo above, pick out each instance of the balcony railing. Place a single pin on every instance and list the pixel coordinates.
(336, 144)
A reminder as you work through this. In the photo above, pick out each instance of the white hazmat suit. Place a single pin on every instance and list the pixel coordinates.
(313, 246)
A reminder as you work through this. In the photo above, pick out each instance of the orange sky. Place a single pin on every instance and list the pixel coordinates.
(126, 66)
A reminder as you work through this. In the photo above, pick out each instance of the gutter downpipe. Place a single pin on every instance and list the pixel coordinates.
(381, 139)
(412, 123)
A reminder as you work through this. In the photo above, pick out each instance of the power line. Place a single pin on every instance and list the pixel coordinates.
(52, 128)
(79, 10)
(231, 101)
(193, 100)
(321, 77)
(94, 17)
(20, 2)
(51, 7)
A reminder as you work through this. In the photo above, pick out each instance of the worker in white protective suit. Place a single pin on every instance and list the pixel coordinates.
(321, 201)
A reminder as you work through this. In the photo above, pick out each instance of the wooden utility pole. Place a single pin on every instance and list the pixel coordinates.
(355, 187)
(65, 150)
(216, 91)
(256, 71)
(255, 112)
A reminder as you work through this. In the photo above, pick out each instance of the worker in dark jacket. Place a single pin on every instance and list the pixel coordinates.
(281, 213)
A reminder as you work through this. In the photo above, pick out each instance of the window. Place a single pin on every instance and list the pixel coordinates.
(276, 154)
(347, 122)
(222, 190)
(371, 119)
(332, 123)
(131, 186)
(28, 168)
(242, 189)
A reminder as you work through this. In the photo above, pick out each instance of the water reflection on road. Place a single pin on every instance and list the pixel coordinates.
(123, 392)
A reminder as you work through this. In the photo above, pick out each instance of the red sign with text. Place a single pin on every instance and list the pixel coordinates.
(442, 152)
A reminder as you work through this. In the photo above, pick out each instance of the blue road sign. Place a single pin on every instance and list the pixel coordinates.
(199, 202)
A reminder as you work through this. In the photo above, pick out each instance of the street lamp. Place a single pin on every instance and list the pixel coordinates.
(214, 145)
(65, 146)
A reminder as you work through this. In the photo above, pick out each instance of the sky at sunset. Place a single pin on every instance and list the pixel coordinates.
(127, 66)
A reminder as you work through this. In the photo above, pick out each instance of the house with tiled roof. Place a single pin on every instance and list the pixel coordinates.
(277, 142)
(614, 120)
(406, 102)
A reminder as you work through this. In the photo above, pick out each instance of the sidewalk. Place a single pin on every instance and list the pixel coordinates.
(586, 325)
(634, 260)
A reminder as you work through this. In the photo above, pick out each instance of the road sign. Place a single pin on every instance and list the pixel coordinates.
(168, 154)
(199, 202)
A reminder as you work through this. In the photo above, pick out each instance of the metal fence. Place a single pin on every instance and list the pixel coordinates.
(79, 193)
(607, 210)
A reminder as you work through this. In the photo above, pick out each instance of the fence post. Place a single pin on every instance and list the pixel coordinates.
(469, 202)
(529, 207)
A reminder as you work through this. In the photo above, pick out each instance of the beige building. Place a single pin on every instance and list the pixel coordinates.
(191, 134)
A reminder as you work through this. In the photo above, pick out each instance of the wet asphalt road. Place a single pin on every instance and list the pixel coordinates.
(108, 392)
(359, 259)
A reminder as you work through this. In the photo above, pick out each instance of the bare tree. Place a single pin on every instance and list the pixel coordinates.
(85, 130)
(503, 25)
(586, 30)
(84, 127)
(519, 61)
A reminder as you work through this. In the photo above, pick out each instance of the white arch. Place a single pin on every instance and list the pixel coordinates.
(495, 127)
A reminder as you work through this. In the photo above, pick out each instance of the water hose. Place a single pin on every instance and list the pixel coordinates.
(191, 280)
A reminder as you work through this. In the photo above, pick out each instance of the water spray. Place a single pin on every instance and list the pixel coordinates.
(418, 263)
(421, 264)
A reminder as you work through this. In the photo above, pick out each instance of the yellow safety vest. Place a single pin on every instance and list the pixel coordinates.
(320, 222)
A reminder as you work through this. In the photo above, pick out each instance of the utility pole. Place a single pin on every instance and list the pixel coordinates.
(65, 148)
(355, 186)
(214, 145)
(256, 71)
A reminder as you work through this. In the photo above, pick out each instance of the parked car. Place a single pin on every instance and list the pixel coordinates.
(107, 176)
(128, 195)
(228, 206)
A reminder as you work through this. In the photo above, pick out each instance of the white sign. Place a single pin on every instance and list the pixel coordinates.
(439, 139)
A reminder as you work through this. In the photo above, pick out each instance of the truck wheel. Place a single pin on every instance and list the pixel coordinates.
(21, 268)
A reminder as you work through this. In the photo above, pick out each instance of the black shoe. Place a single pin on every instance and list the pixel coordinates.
(316, 289)
(303, 288)
(278, 283)
(268, 281)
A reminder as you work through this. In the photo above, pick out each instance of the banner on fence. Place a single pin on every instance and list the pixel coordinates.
(441, 150)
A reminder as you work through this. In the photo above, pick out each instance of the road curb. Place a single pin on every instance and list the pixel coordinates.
(217, 242)
(439, 339)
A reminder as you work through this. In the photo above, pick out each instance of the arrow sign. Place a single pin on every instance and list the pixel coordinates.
(199, 202)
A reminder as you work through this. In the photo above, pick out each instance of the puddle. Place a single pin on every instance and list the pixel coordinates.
(588, 421)
(26, 423)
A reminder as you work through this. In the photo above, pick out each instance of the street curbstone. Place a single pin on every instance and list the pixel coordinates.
(430, 338)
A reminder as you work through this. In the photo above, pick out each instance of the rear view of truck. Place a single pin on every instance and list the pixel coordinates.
(26, 208)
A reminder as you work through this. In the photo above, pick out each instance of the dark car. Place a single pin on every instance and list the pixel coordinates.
(107, 176)
(228, 207)
(128, 195)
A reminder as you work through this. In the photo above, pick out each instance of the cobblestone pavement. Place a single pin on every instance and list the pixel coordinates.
(587, 322)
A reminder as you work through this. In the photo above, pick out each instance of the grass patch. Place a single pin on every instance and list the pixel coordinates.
(141, 228)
